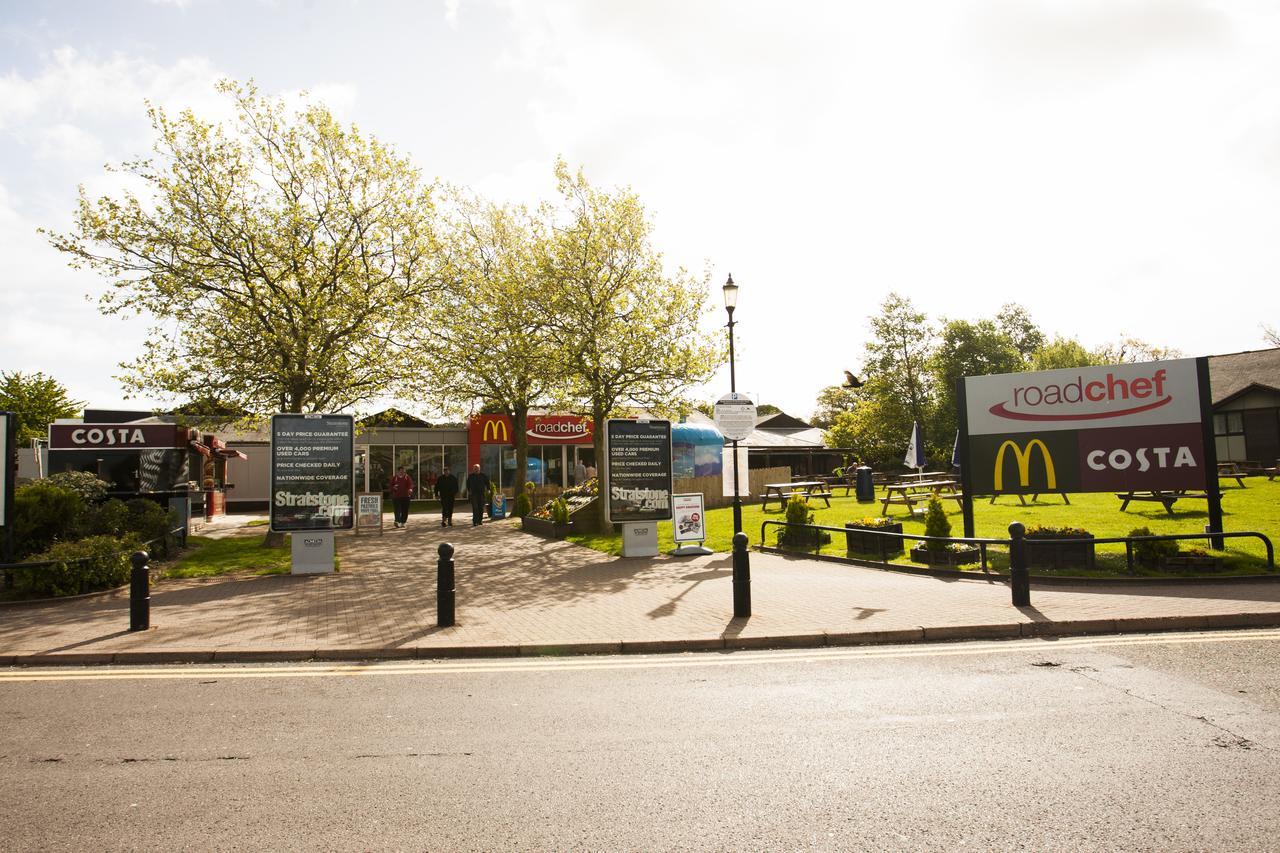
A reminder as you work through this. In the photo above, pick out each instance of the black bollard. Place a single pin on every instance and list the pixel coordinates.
(444, 586)
(741, 576)
(1019, 576)
(139, 593)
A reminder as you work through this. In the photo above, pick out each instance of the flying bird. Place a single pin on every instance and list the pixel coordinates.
(851, 381)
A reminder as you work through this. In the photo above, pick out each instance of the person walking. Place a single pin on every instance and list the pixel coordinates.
(478, 492)
(401, 492)
(579, 473)
(446, 489)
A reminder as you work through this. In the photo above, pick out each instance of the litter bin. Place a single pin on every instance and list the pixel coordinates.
(866, 488)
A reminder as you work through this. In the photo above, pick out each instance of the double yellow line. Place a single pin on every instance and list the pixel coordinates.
(588, 664)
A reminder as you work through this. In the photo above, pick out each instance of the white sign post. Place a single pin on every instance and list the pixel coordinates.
(735, 416)
(689, 521)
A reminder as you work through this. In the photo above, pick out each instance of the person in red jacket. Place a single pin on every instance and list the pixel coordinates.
(401, 491)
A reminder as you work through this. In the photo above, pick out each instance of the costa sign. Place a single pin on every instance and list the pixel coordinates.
(116, 436)
(1094, 429)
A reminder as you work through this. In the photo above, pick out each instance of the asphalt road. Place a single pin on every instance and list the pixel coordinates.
(1158, 742)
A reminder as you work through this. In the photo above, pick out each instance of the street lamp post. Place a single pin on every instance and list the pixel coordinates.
(731, 302)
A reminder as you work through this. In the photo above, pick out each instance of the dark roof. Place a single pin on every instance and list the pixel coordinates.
(1234, 373)
(781, 420)
(394, 418)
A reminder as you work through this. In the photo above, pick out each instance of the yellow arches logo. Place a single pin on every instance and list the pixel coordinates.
(495, 430)
(1023, 458)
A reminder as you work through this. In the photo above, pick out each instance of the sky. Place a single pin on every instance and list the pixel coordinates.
(1113, 166)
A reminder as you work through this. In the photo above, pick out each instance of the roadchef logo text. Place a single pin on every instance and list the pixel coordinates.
(558, 429)
(1028, 401)
(644, 498)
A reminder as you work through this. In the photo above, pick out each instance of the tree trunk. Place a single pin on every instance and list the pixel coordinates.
(519, 415)
(602, 466)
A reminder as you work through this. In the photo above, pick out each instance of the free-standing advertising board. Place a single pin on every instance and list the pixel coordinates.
(312, 472)
(638, 481)
(638, 473)
(1120, 427)
(312, 484)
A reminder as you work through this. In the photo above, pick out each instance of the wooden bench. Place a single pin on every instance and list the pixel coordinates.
(1167, 499)
(784, 496)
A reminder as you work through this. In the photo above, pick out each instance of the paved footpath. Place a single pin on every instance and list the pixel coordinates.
(520, 594)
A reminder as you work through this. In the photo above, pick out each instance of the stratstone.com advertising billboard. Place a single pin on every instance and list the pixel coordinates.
(1090, 429)
(312, 472)
(638, 456)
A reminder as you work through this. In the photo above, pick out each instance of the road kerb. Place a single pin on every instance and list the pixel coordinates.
(867, 638)
(393, 653)
(1069, 627)
(654, 647)
(973, 632)
(562, 649)
(781, 641)
(450, 652)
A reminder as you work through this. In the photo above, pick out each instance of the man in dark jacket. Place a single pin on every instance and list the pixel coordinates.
(446, 489)
(478, 492)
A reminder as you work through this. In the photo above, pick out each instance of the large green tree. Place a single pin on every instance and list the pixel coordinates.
(1061, 353)
(277, 250)
(899, 384)
(965, 348)
(37, 401)
(486, 342)
(628, 332)
(834, 400)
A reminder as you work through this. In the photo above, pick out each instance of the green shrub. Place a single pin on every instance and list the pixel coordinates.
(149, 520)
(798, 512)
(98, 562)
(86, 485)
(104, 519)
(560, 511)
(1149, 553)
(937, 524)
(43, 513)
(522, 505)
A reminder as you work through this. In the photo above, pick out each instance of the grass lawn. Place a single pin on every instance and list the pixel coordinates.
(1255, 507)
(209, 557)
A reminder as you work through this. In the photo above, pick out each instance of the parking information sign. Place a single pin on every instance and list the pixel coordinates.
(735, 416)
(638, 456)
(312, 472)
(688, 518)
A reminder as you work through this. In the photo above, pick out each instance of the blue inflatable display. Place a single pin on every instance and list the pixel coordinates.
(696, 450)
(532, 469)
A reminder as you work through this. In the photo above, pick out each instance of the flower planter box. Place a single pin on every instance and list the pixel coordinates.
(545, 527)
(945, 558)
(1078, 553)
(860, 539)
(1191, 563)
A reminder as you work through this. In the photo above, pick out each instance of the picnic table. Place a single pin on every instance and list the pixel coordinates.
(920, 491)
(1034, 497)
(783, 492)
(1165, 498)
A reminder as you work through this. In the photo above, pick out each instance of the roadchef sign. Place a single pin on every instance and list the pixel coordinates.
(1089, 429)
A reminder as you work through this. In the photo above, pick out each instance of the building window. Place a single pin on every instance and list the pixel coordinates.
(1228, 436)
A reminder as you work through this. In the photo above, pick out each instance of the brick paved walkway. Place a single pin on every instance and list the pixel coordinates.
(519, 594)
